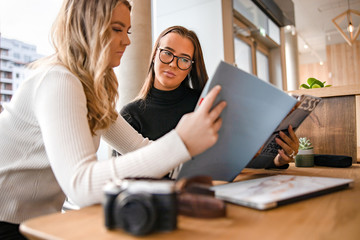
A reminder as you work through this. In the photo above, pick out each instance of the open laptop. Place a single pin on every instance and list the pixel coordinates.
(270, 192)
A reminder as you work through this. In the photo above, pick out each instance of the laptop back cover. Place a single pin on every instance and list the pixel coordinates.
(270, 192)
(254, 109)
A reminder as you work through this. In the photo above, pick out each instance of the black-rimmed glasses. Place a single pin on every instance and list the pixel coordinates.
(167, 57)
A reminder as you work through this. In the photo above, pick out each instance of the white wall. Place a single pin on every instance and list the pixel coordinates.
(204, 17)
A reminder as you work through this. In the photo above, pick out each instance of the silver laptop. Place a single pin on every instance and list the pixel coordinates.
(270, 192)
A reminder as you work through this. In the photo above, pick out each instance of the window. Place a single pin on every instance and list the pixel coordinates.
(17, 55)
(251, 54)
(4, 52)
(8, 86)
(243, 55)
(262, 66)
(274, 32)
(27, 58)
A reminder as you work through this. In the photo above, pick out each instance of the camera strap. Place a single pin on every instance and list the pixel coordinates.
(196, 199)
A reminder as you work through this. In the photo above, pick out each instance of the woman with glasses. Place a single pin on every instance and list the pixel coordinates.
(176, 77)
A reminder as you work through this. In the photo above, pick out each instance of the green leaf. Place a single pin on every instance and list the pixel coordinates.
(316, 82)
(328, 85)
(305, 143)
(315, 86)
(304, 86)
(311, 80)
(320, 83)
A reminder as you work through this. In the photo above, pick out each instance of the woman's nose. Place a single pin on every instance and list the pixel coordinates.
(126, 41)
(173, 62)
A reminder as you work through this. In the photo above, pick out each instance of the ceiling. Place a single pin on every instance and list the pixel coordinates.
(314, 26)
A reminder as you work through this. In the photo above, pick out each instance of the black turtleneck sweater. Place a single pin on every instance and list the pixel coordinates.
(160, 111)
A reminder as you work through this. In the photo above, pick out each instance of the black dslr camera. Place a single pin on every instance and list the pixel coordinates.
(140, 206)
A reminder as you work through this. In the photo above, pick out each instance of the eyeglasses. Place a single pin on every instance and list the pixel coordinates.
(167, 57)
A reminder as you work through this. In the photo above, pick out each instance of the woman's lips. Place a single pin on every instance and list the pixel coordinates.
(169, 74)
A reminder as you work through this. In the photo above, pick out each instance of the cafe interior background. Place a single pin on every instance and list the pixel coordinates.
(283, 42)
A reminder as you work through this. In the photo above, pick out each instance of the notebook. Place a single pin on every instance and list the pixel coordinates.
(270, 192)
(255, 112)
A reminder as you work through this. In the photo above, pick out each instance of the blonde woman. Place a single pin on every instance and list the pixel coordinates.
(50, 131)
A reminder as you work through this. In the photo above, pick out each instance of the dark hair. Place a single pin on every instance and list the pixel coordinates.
(198, 74)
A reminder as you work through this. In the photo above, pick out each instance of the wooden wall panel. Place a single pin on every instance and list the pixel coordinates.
(340, 69)
(357, 114)
(314, 70)
(343, 63)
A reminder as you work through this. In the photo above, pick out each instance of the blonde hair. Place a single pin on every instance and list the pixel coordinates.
(81, 35)
(198, 75)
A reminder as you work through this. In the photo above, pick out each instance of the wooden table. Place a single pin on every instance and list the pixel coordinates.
(332, 216)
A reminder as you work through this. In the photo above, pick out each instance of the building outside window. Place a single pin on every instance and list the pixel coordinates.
(13, 58)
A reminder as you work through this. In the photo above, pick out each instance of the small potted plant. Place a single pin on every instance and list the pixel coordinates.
(305, 156)
(314, 83)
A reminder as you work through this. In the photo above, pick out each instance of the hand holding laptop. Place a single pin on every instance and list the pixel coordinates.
(199, 129)
(289, 147)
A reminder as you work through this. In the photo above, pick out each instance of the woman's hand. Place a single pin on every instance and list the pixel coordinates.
(199, 129)
(289, 145)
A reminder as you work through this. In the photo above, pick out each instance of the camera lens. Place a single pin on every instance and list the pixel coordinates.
(135, 213)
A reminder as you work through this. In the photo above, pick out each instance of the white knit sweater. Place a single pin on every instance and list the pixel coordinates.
(47, 151)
